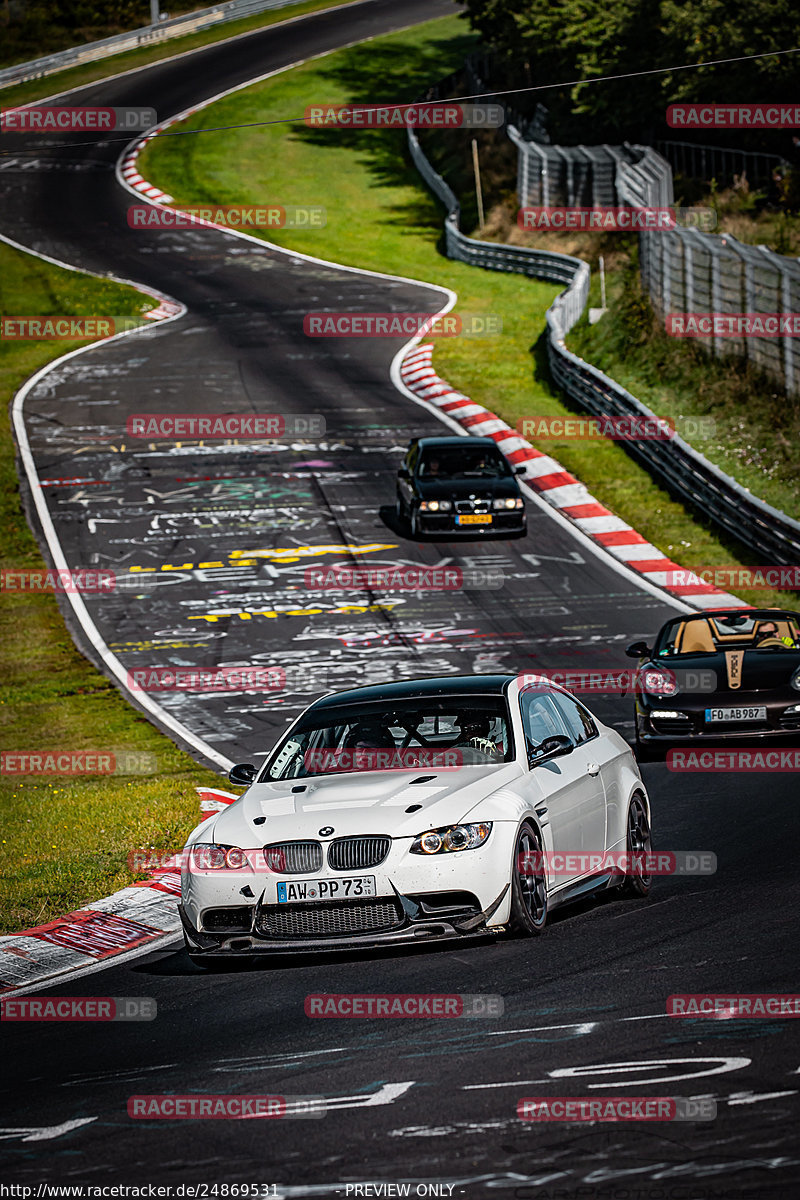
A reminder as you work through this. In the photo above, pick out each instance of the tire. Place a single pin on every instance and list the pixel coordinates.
(637, 839)
(413, 524)
(528, 886)
(399, 509)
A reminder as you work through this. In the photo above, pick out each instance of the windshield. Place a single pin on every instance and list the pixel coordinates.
(766, 630)
(448, 731)
(469, 463)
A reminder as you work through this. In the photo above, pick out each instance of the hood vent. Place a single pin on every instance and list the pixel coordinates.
(421, 779)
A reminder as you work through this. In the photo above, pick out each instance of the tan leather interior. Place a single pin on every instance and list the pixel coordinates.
(704, 636)
(696, 638)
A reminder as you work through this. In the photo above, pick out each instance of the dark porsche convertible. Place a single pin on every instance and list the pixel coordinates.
(728, 674)
(459, 485)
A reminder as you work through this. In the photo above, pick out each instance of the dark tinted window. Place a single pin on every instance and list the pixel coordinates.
(471, 462)
(541, 718)
(343, 738)
(579, 721)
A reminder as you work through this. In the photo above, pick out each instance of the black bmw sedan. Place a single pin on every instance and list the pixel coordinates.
(459, 485)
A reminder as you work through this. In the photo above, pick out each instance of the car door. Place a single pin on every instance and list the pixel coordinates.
(599, 753)
(405, 477)
(573, 797)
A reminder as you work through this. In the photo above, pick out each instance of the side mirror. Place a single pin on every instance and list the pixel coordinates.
(243, 774)
(557, 744)
(638, 650)
(519, 470)
(403, 473)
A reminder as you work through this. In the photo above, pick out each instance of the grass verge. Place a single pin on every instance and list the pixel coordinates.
(381, 216)
(65, 840)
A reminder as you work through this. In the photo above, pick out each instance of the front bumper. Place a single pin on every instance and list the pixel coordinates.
(414, 924)
(692, 727)
(502, 523)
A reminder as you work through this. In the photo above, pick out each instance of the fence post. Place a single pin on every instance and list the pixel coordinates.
(788, 341)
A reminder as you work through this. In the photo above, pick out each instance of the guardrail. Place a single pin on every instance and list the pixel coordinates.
(685, 472)
(39, 68)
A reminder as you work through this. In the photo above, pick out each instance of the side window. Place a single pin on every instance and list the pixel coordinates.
(412, 458)
(541, 718)
(579, 721)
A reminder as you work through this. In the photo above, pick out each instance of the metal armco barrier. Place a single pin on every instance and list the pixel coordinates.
(773, 535)
(39, 68)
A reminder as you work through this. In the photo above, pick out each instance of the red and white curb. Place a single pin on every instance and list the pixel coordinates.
(555, 485)
(129, 171)
(134, 918)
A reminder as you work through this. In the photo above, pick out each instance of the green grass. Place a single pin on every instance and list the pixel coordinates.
(381, 216)
(75, 77)
(65, 841)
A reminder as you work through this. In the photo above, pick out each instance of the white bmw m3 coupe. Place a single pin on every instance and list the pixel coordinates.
(437, 808)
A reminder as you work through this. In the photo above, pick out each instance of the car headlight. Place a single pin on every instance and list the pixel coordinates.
(435, 505)
(795, 680)
(658, 681)
(451, 839)
(507, 503)
(208, 856)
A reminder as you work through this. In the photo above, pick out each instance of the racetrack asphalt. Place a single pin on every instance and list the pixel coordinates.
(585, 1004)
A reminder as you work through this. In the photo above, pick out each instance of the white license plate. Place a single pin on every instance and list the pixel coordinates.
(294, 891)
(736, 714)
